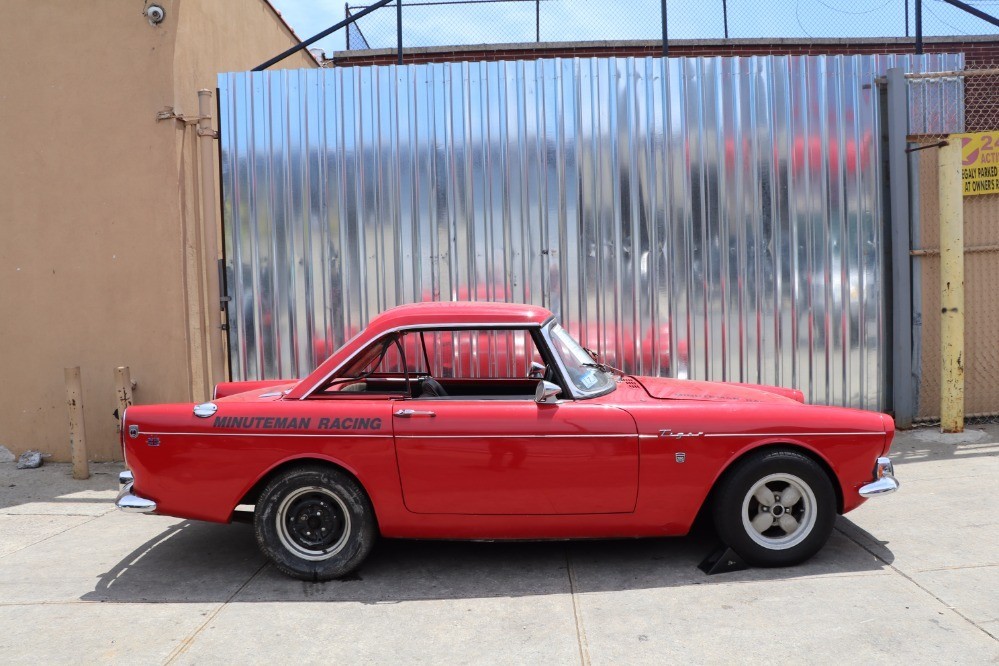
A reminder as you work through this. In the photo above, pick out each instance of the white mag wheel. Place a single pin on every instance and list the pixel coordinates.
(775, 507)
(779, 511)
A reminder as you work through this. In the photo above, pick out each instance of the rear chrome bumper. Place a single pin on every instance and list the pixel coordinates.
(884, 480)
(128, 501)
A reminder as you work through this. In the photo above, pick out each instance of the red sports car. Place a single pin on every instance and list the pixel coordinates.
(488, 421)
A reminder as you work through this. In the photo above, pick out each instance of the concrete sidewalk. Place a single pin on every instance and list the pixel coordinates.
(913, 577)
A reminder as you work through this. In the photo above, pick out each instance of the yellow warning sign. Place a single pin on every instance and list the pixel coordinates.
(979, 162)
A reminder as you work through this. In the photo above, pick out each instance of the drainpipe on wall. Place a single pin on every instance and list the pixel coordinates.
(209, 230)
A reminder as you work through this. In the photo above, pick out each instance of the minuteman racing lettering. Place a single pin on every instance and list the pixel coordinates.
(285, 423)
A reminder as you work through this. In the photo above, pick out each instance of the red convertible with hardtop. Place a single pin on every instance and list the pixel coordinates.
(489, 421)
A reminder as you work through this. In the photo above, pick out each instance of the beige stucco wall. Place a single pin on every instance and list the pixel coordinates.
(95, 197)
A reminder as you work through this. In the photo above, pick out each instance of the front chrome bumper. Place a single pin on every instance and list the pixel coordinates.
(128, 501)
(884, 480)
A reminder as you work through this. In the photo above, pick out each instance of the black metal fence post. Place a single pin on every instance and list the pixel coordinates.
(919, 26)
(398, 27)
(725, 16)
(665, 41)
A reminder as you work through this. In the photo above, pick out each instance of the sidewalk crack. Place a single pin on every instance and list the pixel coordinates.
(584, 650)
(186, 643)
(921, 587)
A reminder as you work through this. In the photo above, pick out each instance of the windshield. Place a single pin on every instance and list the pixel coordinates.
(581, 369)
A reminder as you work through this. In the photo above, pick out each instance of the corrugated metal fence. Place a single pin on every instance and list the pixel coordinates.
(715, 218)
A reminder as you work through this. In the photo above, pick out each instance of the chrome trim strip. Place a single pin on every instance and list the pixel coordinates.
(430, 327)
(562, 436)
(792, 434)
(278, 434)
(124, 478)
(644, 436)
(262, 434)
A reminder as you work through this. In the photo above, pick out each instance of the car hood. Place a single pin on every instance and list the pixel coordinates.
(684, 389)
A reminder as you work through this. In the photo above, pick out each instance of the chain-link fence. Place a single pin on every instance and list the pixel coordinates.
(441, 23)
(950, 103)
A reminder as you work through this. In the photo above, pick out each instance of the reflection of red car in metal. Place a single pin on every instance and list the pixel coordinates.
(370, 444)
(462, 353)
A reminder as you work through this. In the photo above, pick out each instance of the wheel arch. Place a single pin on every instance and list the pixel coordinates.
(797, 447)
(252, 494)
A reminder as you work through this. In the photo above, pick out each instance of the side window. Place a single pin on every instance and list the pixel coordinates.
(388, 365)
(481, 353)
(393, 361)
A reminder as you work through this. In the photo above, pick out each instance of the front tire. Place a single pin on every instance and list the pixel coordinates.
(314, 523)
(775, 508)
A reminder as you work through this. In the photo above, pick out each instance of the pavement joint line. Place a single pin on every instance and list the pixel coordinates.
(63, 602)
(187, 642)
(957, 567)
(51, 536)
(584, 651)
(924, 589)
(76, 515)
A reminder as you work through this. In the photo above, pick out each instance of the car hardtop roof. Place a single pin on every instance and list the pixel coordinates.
(439, 314)
(463, 313)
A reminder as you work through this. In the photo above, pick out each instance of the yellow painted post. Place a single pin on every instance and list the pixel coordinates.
(951, 288)
(77, 438)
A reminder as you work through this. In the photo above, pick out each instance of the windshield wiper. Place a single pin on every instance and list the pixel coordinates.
(603, 367)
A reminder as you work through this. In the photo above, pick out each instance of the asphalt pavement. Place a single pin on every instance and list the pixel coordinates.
(908, 578)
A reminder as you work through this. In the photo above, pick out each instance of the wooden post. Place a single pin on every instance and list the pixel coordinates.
(123, 391)
(77, 438)
(951, 288)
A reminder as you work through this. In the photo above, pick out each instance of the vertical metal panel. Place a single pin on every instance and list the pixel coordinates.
(717, 218)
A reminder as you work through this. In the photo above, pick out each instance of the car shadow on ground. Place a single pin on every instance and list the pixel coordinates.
(912, 450)
(201, 562)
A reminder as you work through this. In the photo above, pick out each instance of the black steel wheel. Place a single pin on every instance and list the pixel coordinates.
(315, 523)
(775, 508)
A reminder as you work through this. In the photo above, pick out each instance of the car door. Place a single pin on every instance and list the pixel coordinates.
(467, 456)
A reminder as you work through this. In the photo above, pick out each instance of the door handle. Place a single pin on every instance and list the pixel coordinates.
(414, 412)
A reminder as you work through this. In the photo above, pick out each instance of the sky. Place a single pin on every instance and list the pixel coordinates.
(480, 22)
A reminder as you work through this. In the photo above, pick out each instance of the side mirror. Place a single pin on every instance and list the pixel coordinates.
(546, 392)
(537, 371)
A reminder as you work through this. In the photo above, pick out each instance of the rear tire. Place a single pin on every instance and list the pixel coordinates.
(314, 523)
(775, 508)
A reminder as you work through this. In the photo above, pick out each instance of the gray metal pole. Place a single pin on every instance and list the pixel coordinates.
(896, 115)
